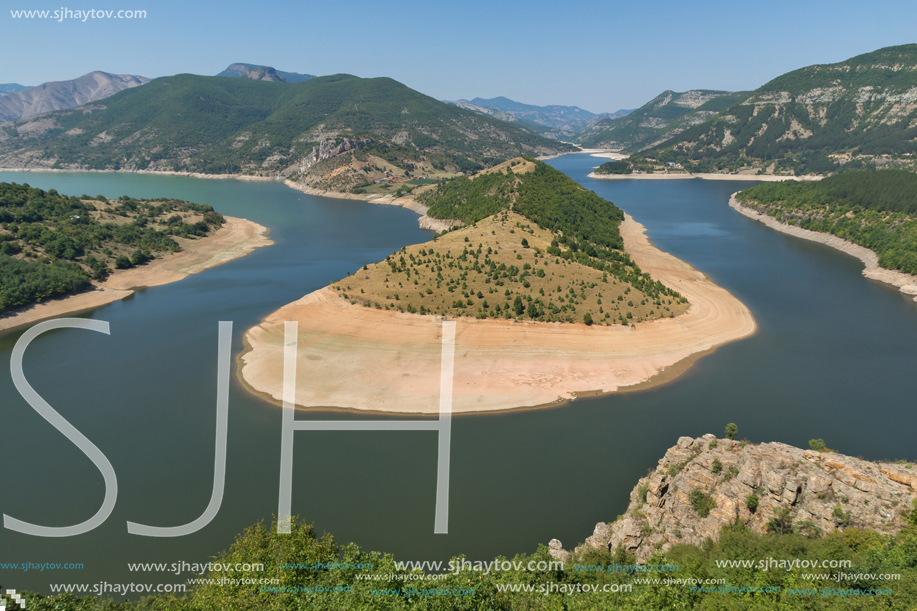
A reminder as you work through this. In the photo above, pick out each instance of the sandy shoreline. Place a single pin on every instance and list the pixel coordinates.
(236, 238)
(367, 359)
(906, 283)
(686, 176)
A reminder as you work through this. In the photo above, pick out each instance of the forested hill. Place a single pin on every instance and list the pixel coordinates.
(219, 125)
(53, 245)
(855, 113)
(663, 117)
(875, 209)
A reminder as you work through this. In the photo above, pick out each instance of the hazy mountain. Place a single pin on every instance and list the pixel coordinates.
(59, 95)
(554, 121)
(264, 73)
(666, 115)
(220, 125)
(11, 88)
(858, 112)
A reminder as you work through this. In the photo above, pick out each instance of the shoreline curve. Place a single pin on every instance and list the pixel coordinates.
(906, 283)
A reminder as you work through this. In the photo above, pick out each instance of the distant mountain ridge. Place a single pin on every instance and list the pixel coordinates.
(59, 95)
(663, 117)
(356, 131)
(264, 73)
(857, 112)
(11, 88)
(554, 121)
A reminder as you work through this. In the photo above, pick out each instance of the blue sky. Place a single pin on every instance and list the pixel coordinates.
(601, 56)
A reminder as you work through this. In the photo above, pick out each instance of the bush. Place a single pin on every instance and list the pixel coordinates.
(731, 430)
(751, 501)
(717, 465)
(841, 517)
(702, 502)
(587, 318)
(817, 444)
(122, 262)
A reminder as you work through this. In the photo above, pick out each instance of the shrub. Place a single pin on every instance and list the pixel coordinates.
(751, 501)
(717, 465)
(701, 502)
(122, 262)
(841, 517)
(818, 445)
(731, 430)
(712, 444)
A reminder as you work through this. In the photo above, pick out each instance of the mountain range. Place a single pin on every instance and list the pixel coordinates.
(855, 113)
(554, 121)
(663, 117)
(352, 129)
(11, 88)
(60, 95)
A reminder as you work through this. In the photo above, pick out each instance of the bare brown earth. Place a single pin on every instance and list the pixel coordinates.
(236, 238)
(362, 358)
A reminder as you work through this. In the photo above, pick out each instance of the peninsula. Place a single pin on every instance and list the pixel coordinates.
(555, 291)
(63, 255)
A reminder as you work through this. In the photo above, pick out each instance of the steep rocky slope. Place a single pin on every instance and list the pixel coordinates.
(768, 486)
(815, 119)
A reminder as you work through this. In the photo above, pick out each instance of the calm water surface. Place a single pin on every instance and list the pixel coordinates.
(834, 357)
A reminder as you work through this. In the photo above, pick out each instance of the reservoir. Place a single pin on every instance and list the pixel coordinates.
(834, 358)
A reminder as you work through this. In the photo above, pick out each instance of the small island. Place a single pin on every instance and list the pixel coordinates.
(61, 254)
(557, 294)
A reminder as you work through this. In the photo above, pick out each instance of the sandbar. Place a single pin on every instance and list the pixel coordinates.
(355, 357)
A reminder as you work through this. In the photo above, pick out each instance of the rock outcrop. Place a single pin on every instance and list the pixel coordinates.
(331, 148)
(760, 485)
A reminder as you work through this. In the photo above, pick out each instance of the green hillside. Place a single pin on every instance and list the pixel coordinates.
(663, 117)
(875, 209)
(52, 245)
(221, 125)
(857, 113)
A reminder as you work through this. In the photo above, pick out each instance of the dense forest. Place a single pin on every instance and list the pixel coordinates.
(53, 245)
(875, 209)
(314, 572)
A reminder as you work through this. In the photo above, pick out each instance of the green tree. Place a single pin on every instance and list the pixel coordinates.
(731, 430)
(587, 318)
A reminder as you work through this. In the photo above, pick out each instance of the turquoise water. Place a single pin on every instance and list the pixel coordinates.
(833, 358)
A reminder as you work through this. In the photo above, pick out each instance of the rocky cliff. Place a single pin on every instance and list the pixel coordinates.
(703, 484)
